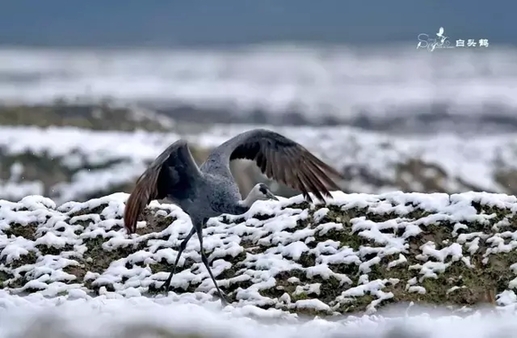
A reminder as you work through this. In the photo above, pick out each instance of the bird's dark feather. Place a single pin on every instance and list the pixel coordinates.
(172, 174)
(286, 161)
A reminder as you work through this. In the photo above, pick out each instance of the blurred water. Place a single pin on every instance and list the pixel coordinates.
(372, 87)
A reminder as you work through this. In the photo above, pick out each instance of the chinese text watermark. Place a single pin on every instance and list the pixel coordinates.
(429, 42)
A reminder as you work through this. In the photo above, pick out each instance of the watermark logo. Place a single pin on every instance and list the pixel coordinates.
(441, 41)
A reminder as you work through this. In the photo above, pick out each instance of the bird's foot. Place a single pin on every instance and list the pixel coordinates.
(224, 299)
(224, 302)
(164, 288)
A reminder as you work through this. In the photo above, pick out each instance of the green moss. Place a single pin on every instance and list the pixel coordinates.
(154, 223)
(7, 279)
(282, 285)
(88, 211)
(27, 231)
(299, 296)
(359, 304)
(50, 250)
(236, 266)
(155, 288)
(329, 289)
(4, 276)
(29, 258)
(307, 260)
(164, 266)
(97, 260)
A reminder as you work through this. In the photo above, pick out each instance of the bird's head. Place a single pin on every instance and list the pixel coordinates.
(260, 192)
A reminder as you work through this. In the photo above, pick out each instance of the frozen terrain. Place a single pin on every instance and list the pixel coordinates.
(74, 164)
(37, 317)
(360, 86)
(72, 271)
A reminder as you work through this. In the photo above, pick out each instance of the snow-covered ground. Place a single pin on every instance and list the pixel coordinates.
(313, 80)
(472, 160)
(65, 305)
(37, 317)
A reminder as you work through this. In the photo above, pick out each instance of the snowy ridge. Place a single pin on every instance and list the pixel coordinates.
(356, 254)
(372, 162)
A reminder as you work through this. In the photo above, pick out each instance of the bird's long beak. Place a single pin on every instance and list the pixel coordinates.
(270, 195)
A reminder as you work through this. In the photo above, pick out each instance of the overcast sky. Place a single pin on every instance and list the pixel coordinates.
(177, 22)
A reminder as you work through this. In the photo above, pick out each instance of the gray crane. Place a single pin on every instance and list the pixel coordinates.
(210, 190)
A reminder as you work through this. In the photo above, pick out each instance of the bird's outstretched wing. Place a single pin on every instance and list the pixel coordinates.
(172, 174)
(284, 160)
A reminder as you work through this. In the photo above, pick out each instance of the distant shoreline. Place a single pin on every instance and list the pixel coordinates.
(148, 116)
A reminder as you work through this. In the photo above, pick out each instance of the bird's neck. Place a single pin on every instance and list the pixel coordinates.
(245, 204)
(249, 200)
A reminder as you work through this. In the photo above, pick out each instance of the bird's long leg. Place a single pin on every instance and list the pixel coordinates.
(204, 259)
(183, 245)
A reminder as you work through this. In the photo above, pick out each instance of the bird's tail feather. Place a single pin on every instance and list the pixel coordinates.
(144, 191)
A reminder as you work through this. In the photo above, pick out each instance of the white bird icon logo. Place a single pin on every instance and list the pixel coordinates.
(441, 36)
